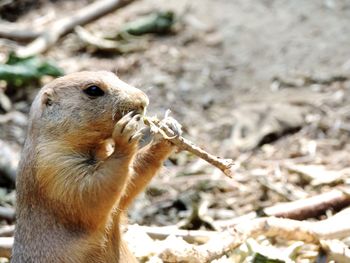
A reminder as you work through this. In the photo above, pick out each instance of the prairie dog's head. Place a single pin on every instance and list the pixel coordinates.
(83, 106)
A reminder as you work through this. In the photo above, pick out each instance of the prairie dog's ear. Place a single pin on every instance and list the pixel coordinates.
(47, 97)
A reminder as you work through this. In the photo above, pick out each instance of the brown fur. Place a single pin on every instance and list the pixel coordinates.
(71, 193)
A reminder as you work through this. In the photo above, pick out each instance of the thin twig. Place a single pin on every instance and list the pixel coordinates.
(190, 236)
(225, 165)
(312, 206)
(17, 32)
(65, 25)
(106, 44)
(300, 209)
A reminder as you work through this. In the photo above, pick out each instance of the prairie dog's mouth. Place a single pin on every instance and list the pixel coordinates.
(121, 113)
(142, 111)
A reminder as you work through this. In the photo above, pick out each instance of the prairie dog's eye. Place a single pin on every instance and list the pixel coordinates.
(94, 91)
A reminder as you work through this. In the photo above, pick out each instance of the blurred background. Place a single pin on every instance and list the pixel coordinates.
(263, 82)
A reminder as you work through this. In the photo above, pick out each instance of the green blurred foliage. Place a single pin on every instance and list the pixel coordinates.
(155, 23)
(20, 71)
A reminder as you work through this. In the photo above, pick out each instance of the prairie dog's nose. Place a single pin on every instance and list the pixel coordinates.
(137, 99)
(141, 101)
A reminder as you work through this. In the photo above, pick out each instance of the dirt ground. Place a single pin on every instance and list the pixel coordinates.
(264, 82)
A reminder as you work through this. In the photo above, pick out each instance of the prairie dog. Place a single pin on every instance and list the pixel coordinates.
(81, 168)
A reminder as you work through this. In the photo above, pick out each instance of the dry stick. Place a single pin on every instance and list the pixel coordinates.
(312, 206)
(288, 229)
(216, 247)
(279, 189)
(67, 24)
(101, 43)
(225, 165)
(17, 32)
(160, 233)
(105, 44)
(336, 250)
(335, 227)
(300, 209)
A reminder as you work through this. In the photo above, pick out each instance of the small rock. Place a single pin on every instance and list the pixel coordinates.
(213, 39)
(5, 103)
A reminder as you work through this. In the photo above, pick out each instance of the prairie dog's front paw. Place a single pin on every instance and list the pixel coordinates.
(169, 128)
(126, 132)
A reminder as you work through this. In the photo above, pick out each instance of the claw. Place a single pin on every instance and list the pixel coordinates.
(127, 128)
(137, 136)
(167, 113)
